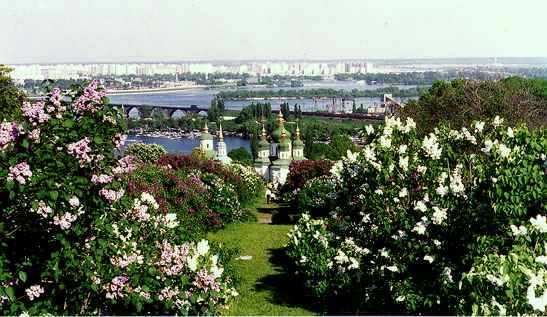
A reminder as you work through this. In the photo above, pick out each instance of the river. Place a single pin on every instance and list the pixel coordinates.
(203, 97)
(186, 145)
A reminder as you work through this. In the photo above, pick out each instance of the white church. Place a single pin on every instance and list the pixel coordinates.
(273, 158)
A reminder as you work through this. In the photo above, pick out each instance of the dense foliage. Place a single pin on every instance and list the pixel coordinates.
(146, 153)
(450, 223)
(460, 102)
(320, 92)
(82, 232)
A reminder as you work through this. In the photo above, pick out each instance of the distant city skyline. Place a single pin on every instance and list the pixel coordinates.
(101, 31)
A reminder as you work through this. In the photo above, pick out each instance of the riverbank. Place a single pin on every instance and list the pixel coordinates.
(155, 90)
(174, 133)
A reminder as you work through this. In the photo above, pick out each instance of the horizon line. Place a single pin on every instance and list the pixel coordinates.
(159, 61)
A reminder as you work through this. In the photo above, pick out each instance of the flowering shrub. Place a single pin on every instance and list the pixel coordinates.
(449, 223)
(315, 198)
(246, 184)
(146, 153)
(74, 239)
(302, 171)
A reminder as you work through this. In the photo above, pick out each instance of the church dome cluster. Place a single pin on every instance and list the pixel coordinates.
(275, 157)
(206, 145)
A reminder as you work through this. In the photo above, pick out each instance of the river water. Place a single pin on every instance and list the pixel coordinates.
(203, 97)
(186, 145)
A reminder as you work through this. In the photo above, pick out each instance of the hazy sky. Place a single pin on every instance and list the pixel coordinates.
(153, 30)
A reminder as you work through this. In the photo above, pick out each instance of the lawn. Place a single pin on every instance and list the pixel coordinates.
(265, 287)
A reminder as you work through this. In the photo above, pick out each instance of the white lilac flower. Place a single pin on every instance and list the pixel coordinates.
(402, 148)
(351, 157)
(497, 121)
(488, 144)
(393, 268)
(421, 226)
(421, 169)
(203, 247)
(541, 259)
(448, 273)
(429, 258)
(368, 153)
(410, 125)
(192, 263)
(442, 190)
(400, 298)
(437, 243)
(431, 147)
(456, 184)
(539, 222)
(519, 231)
(378, 192)
(148, 198)
(385, 141)
(420, 205)
(479, 126)
(504, 151)
(369, 129)
(439, 215)
(170, 220)
(403, 163)
(510, 132)
(74, 201)
(403, 192)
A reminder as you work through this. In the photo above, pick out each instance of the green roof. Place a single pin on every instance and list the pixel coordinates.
(263, 144)
(205, 136)
(276, 134)
(285, 145)
(298, 143)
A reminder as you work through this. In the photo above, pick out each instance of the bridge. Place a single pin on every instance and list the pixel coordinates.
(145, 111)
(389, 106)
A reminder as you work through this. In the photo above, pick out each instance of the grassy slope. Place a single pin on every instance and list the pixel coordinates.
(265, 288)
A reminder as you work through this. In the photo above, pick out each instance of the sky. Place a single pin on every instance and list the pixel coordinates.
(57, 31)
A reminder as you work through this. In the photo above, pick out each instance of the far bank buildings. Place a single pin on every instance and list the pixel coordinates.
(273, 158)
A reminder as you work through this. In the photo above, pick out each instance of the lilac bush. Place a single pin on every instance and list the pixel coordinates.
(451, 223)
(73, 241)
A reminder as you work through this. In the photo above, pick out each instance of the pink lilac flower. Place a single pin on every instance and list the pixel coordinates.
(20, 172)
(9, 131)
(111, 195)
(173, 258)
(126, 260)
(65, 221)
(35, 112)
(74, 202)
(34, 291)
(80, 150)
(114, 289)
(125, 165)
(205, 281)
(101, 179)
(90, 98)
(140, 212)
(43, 209)
(168, 293)
(34, 135)
(56, 97)
(119, 140)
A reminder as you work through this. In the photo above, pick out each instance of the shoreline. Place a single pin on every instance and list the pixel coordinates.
(154, 90)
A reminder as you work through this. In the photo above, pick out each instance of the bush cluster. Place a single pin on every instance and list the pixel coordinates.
(146, 153)
(451, 223)
(75, 239)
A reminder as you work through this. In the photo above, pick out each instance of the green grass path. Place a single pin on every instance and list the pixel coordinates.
(264, 288)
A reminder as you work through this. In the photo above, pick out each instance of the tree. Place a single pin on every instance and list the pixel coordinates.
(254, 145)
(339, 146)
(10, 97)
(241, 155)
